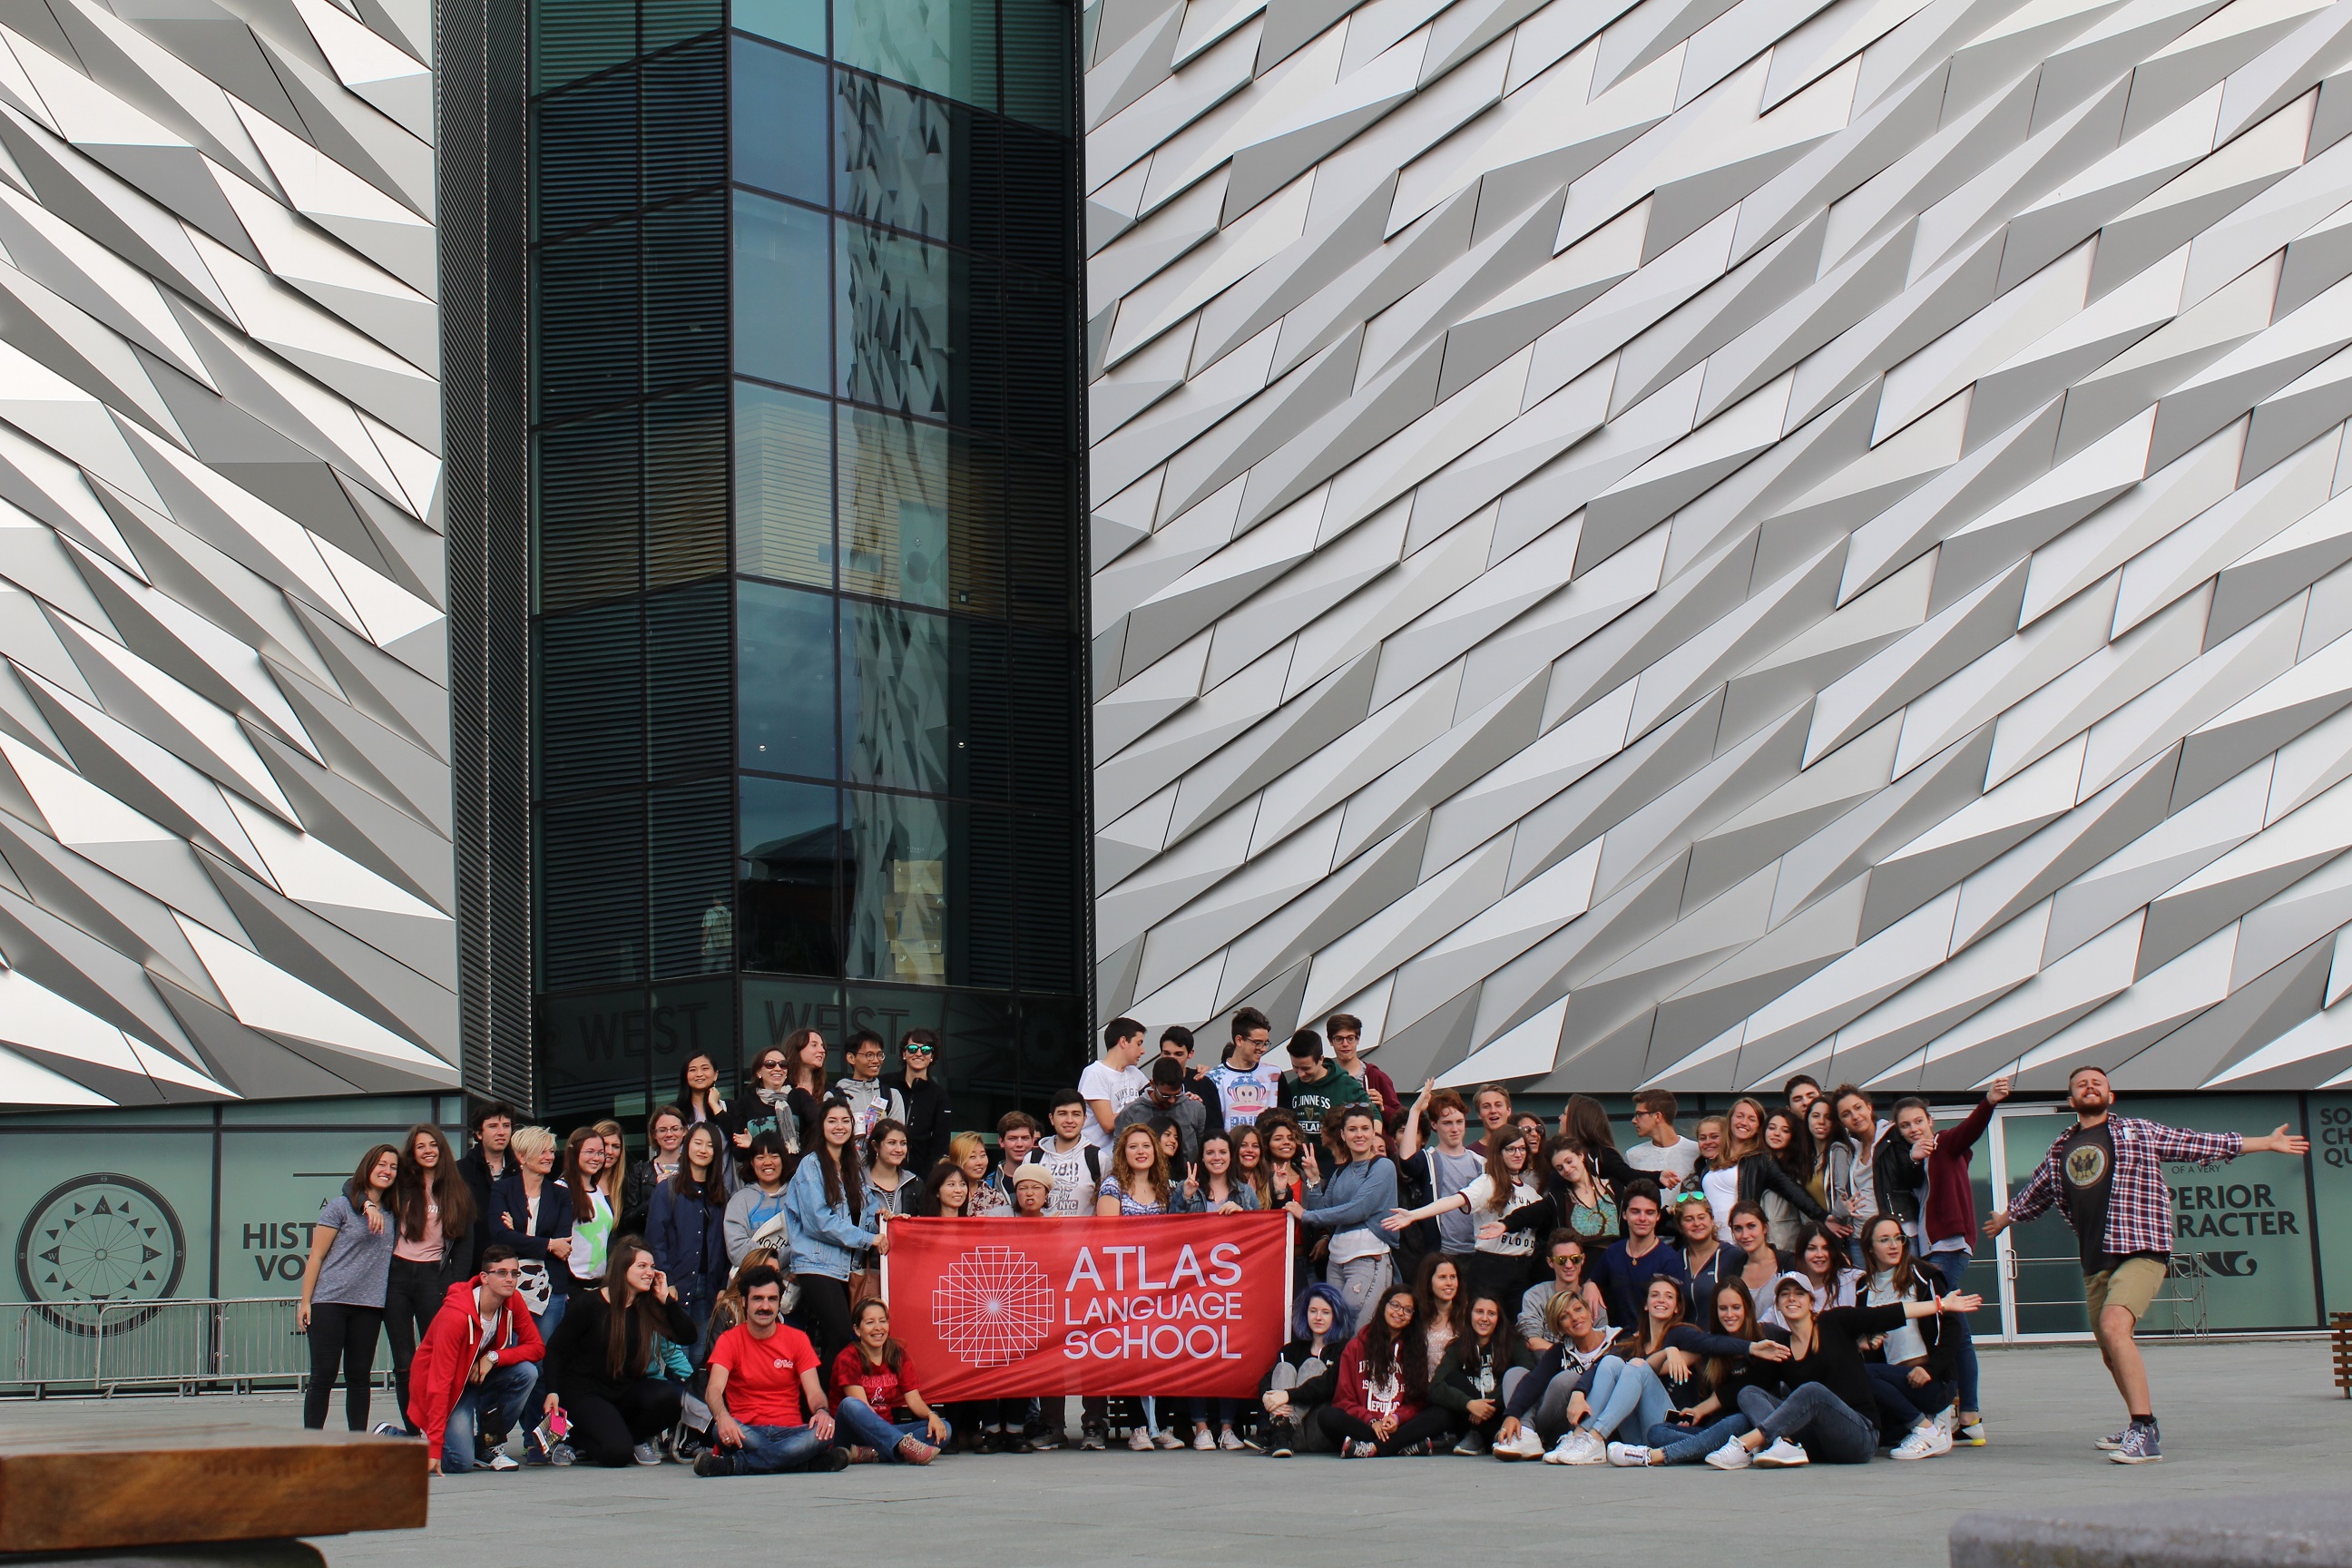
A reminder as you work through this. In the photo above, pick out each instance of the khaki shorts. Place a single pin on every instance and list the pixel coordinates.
(2131, 1285)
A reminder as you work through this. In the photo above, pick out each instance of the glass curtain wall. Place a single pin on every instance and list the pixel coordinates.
(806, 437)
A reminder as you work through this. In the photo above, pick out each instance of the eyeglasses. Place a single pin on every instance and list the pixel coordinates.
(915, 1050)
(503, 1273)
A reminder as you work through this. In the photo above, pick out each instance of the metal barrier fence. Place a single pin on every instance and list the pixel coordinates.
(187, 1343)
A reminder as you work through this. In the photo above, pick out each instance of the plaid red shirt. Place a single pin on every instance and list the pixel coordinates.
(2139, 1205)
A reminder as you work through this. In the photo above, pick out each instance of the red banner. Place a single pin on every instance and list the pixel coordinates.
(1168, 1305)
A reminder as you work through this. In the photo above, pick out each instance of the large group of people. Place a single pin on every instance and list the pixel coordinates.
(1779, 1288)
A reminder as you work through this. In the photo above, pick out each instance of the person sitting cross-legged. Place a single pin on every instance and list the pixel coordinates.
(763, 1375)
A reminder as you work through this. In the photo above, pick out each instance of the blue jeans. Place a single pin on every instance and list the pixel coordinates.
(1222, 1416)
(507, 1394)
(1901, 1406)
(1622, 1389)
(1949, 1267)
(1689, 1445)
(860, 1424)
(1829, 1431)
(775, 1450)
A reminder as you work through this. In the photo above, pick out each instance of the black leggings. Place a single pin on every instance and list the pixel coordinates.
(412, 1299)
(825, 1304)
(341, 1336)
(605, 1430)
(1341, 1426)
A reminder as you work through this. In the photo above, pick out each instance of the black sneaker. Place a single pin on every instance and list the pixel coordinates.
(832, 1459)
(1046, 1442)
(1090, 1440)
(716, 1463)
(989, 1442)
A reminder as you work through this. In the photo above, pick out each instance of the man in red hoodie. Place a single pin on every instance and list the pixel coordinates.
(476, 1368)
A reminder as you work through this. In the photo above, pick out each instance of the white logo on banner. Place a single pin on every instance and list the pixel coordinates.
(992, 1306)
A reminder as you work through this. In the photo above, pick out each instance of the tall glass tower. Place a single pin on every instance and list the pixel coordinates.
(806, 643)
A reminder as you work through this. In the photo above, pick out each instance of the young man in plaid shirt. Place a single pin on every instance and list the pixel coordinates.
(2106, 1173)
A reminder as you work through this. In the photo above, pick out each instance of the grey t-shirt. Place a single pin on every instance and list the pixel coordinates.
(357, 1265)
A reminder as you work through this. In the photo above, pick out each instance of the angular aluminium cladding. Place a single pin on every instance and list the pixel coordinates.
(1682, 543)
(223, 718)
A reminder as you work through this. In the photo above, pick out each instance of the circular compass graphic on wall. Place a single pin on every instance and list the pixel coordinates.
(99, 1241)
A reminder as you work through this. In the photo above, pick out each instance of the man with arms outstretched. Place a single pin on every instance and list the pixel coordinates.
(2106, 1173)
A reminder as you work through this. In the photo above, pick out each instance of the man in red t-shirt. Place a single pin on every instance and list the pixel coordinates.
(762, 1376)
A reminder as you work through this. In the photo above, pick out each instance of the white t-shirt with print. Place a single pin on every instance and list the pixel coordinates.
(1245, 1094)
(1072, 1184)
(1121, 1085)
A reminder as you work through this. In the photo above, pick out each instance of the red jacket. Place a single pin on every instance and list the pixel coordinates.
(1349, 1395)
(449, 1351)
(1951, 1200)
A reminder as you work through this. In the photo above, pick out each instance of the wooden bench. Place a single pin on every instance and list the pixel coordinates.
(2339, 1338)
(69, 1486)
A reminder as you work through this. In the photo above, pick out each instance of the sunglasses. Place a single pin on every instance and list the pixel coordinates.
(915, 1050)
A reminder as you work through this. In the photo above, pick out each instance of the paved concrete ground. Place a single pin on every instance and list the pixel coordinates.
(2240, 1419)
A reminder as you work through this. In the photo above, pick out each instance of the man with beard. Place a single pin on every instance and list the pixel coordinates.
(2106, 1173)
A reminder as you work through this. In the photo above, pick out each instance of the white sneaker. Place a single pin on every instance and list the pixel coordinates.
(501, 1460)
(1948, 1420)
(1732, 1456)
(1591, 1448)
(1629, 1456)
(1140, 1440)
(1170, 1440)
(1525, 1445)
(1202, 1442)
(1921, 1444)
(1561, 1449)
(1230, 1441)
(1782, 1454)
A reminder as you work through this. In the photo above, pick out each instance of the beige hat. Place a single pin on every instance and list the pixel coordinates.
(1031, 1171)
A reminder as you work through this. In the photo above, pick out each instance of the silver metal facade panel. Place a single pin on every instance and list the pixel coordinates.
(225, 807)
(1679, 544)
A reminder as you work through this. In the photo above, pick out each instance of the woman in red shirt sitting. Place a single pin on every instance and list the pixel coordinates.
(1381, 1406)
(876, 1398)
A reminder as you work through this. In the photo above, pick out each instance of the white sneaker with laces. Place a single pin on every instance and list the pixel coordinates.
(1561, 1449)
(1170, 1440)
(1202, 1442)
(1732, 1456)
(502, 1461)
(1230, 1441)
(1948, 1420)
(1523, 1444)
(1140, 1440)
(1782, 1454)
(1629, 1456)
(1920, 1444)
(1591, 1448)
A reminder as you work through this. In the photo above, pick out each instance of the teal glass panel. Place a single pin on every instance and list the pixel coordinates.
(777, 110)
(895, 858)
(799, 23)
(783, 484)
(789, 871)
(780, 291)
(785, 678)
(894, 697)
(947, 46)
